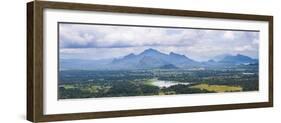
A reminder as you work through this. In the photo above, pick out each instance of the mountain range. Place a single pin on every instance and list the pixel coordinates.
(150, 59)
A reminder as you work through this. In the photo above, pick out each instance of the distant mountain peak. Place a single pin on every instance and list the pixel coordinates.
(175, 54)
(238, 58)
(150, 50)
(240, 55)
(152, 58)
(172, 53)
(211, 60)
(130, 55)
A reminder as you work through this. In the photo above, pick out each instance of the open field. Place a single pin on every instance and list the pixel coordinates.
(218, 88)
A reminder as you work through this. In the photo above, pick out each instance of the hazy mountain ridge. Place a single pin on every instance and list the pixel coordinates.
(238, 59)
(151, 59)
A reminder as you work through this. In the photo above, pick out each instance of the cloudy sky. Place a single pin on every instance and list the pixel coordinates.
(82, 41)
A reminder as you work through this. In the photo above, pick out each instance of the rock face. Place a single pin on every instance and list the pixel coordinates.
(152, 58)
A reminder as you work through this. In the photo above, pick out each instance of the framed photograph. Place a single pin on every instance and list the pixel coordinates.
(90, 61)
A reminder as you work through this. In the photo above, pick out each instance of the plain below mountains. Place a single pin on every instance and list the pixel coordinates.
(152, 59)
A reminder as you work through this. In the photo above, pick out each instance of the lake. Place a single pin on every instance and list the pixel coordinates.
(163, 83)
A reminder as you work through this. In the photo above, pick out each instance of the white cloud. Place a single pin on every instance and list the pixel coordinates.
(244, 48)
(255, 42)
(110, 36)
(229, 35)
(100, 41)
